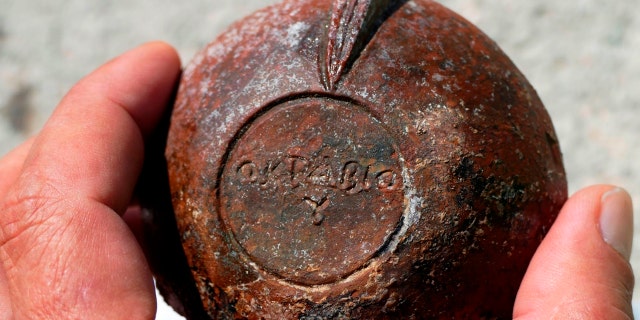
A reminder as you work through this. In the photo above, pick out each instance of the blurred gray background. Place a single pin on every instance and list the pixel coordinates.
(582, 56)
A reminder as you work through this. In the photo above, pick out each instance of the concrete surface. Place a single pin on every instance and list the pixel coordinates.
(582, 56)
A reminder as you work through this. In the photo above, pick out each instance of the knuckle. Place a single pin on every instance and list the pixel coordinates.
(27, 215)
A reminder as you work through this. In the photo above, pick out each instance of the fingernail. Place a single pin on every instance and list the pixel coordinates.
(616, 221)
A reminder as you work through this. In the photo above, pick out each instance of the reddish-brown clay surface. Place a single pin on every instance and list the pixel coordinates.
(356, 159)
(318, 202)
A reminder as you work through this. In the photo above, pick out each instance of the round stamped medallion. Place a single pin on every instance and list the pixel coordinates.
(312, 190)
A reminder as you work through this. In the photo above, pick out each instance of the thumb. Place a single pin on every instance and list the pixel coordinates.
(581, 270)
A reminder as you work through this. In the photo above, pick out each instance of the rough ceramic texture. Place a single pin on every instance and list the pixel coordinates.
(400, 166)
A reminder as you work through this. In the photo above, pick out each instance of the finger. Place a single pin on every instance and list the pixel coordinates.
(581, 269)
(66, 251)
(11, 166)
(103, 119)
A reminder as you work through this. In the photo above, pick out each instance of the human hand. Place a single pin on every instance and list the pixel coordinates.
(581, 270)
(65, 249)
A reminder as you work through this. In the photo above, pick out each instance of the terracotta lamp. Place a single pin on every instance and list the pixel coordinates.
(354, 159)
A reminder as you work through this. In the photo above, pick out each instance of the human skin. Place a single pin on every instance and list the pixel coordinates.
(68, 251)
(65, 251)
